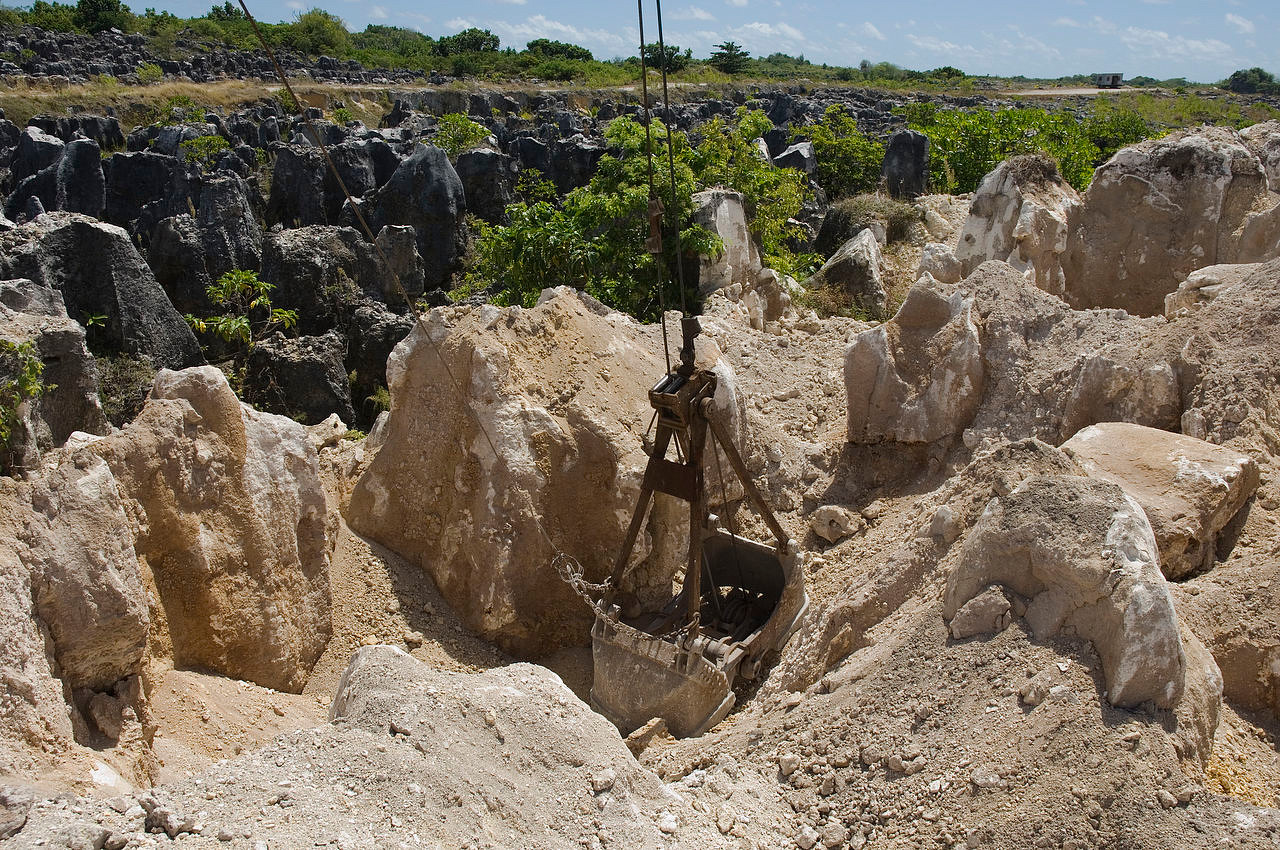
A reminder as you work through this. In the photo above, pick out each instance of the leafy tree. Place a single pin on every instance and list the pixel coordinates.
(947, 72)
(1252, 81)
(99, 15)
(204, 151)
(671, 60)
(471, 40)
(456, 133)
(730, 58)
(318, 32)
(849, 162)
(558, 50)
(10, 19)
(226, 12)
(247, 315)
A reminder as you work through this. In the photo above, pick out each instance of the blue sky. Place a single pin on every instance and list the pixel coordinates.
(1158, 38)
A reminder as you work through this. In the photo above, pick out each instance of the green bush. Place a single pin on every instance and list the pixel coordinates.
(456, 134)
(849, 162)
(123, 385)
(98, 15)
(203, 150)
(594, 239)
(149, 73)
(1252, 81)
(342, 115)
(247, 315)
(178, 109)
(964, 145)
(21, 371)
(317, 32)
(558, 50)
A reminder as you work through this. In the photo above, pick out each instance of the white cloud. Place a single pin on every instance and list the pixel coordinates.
(514, 2)
(1160, 44)
(1066, 22)
(459, 24)
(692, 13)
(540, 26)
(296, 4)
(1242, 25)
(378, 13)
(738, 3)
(869, 29)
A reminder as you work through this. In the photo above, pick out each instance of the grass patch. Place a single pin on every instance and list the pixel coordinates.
(847, 217)
(123, 385)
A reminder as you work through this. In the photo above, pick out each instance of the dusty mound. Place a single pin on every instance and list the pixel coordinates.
(507, 758)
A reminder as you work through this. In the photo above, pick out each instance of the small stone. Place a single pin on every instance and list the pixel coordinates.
(944, 525)
(792, 699)
(871, 755)
(833, 523)
(806, 838)
(603, 781)
(987, 778)
(896, 764)
(1165, 799)
(788, 763)
(413, 639)
(1186, 793)
(833, 835)
(667, 824)
(726, 818)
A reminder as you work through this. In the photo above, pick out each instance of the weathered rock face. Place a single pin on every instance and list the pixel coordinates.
(721, 212)
(799, 156)
(1052, 371)
(905, 171)
(30, 312)
(1204, 285)
(1019, 215)
(941, 263)
(232, 525)
(81, 188)
(488, 178)
(133, 181)
(918, 377)
(856, 269)
(301, 378)
(84, 573)
(1159, 210)
(1264, 140)
(98, 271)
(36, 151)
(322, 272)
(561, 390)
(1084, 556)
(1191, 490)
(424, 192)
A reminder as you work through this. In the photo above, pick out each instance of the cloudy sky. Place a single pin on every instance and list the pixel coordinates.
(1158, 38)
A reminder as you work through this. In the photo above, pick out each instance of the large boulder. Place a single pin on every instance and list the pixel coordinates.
(1264, 140)
(1051, 370)
(919, 377)
(905, 170)
(33, 313)
(99, 272)
(1190, 489)
(856, 269)
(134, 180)
(232, 527)
(488, 179)
(297, 187)
(373, 334)
(721, 211)
(85, 580)
(80, 185)
(322, 272)
(36, 151)
(302, 378)
(561, 391)
(424, 192)
(1159, 210)
(1083, 556)
(1204, 285)
(1019, 214)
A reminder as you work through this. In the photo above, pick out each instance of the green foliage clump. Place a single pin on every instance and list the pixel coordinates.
(317, 32)
(149, 73)
(204, 151)
(849, 161)
(98, 15)
(471, 40)
(287, 101)
(456, 134)
(178, 109)
(247, 315)
(730, 58)
(966, 145)
(594, 238)
(559, 50)
(667, 58)
(1252, 81)
(21, 372)
(58, 17)
(343, 115)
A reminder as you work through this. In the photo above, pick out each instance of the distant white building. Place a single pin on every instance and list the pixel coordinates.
(1108, 81)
